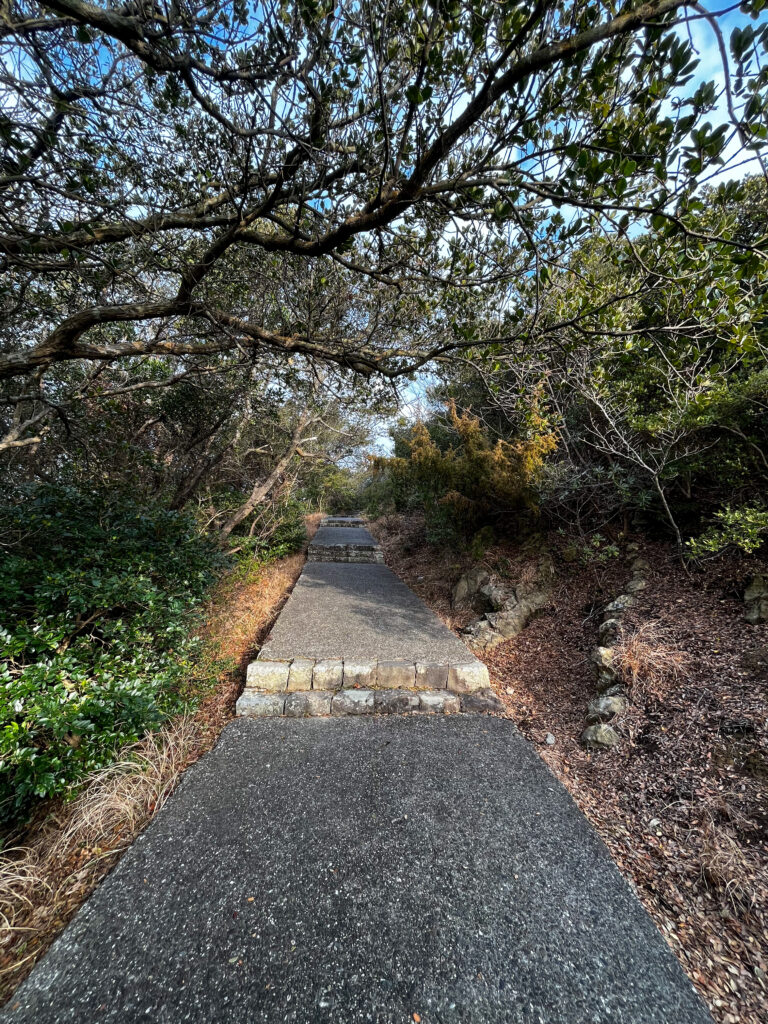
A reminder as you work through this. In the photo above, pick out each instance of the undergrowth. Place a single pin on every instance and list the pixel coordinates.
(99, 602)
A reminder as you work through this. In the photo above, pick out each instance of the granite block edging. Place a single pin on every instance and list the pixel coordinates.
(302, 687)
(298, 674)
(320, 703)
(350, 553)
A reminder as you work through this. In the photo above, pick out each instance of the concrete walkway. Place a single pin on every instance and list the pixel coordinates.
(359, 611)
(362, 866)
(365, 869)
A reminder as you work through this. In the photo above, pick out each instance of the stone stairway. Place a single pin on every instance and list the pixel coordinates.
(336, 542)
(354, 640)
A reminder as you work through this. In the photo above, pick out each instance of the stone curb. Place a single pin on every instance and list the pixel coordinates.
(318, 703)
(301, 674)
(350, 553)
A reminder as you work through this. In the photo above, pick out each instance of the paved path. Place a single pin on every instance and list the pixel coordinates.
(356, 535)
(359, 611)
(370, 869)
(363, 869)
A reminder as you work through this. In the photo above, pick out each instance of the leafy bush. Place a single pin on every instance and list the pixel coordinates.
(745, 528)
(277, 529)
(471, 480)
(96, 634)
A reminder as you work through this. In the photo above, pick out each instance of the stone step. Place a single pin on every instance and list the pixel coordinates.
(350, 521)
(354, 554)
(299, 673)
(344, 544)
(314, 703)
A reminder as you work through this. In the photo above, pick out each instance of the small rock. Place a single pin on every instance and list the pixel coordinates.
(550, 740)
(608, 631)
(639, 564)
(495, 596)
(619, 604)
(466, 592)
(756, 600)
(481, 701)
(600, 736)
(513, 620)
(571, 553)
(757, 588)
(602, 661)
(604, 708)
(614, 691)
(633, 547)
(483, 635)
(636, 584)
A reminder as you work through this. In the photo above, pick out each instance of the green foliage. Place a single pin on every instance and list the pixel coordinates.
(334, 489)
(278, 530)
(661, 388)
(97, 635)
(745, 528)
(471, 480)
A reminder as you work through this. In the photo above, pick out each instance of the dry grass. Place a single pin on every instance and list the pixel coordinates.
(75, 847)
(47, 871)
(121, 799)
(727, 868)
(647, 662)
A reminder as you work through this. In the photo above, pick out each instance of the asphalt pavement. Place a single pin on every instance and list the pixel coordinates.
(364, 870)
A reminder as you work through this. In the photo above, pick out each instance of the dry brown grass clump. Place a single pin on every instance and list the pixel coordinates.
(76, 846)
(728, 867)
(647, 662)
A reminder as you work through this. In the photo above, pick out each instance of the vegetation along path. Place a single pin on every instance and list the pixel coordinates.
(335, 860)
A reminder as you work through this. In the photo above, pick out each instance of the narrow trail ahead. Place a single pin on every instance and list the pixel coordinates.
(334, 860)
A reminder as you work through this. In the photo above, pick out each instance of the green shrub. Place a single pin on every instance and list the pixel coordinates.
(745, 528)
(96, 632)
(471, 480)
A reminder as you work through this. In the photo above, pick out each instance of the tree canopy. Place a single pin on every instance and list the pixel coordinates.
(165, 163)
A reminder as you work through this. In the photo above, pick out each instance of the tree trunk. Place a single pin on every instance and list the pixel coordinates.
(262, 488)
